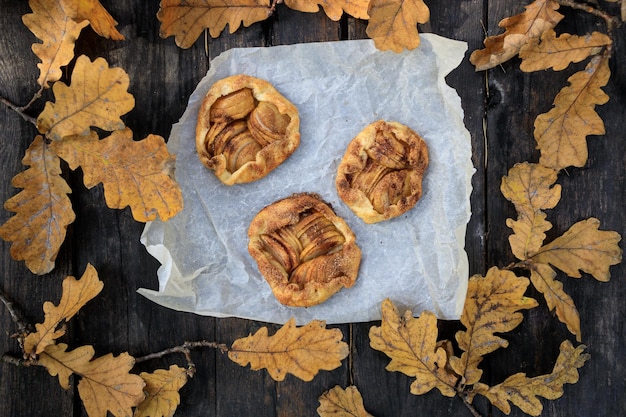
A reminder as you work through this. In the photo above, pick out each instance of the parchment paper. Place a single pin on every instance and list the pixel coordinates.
(417, 260)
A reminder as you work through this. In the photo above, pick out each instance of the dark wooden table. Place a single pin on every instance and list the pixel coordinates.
(500, 108)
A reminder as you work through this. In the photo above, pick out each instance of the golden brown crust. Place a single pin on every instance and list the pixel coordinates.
(257, 150)
(304, 250)
(380, 174)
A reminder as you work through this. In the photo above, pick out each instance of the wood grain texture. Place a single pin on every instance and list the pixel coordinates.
(500, 107)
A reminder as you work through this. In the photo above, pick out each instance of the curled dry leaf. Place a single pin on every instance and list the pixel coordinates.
(76, 293)
(412, 346)
(523, 391)
(539, 16)
(583, 248)
(531, 188)
(99, 18)
(50, 23)
(393, 23)
(97, 96)
(333, 8)
(134, 173)
(105, 382)
(338, 402)
(492, 305)
(187, 19)
(558, 53)
(561, 133)
(544, 280)
(42, 209)
(301, 351)
(162, 397)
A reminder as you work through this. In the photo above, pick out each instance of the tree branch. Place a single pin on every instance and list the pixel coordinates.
(185, 349)
(611, 21)
(20, 110)
(23, 327)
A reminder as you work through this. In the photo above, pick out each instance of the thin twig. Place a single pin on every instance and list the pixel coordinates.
(469, 405)
(185, 349)
(611, 21)
(23, 327)
(19, 362)
(19, 110)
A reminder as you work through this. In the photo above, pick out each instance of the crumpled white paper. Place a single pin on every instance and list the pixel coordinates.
(417, 260)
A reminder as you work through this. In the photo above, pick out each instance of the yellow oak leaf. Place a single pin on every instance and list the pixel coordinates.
(583, 248)
(134, 173)
(333, 9)
(187, 19)
(539, 16)
(97, 96)
(42, 209)
(162, 397)
(301, 351)
(544, 280)
(492, 305)
(105, 382)
(76, 293)
(558, 53)
(412, 346)
(523, 391)
(59, 32)
(99, 18)
(338, 402)
(531, 188)
(393, 23)
(561, 133)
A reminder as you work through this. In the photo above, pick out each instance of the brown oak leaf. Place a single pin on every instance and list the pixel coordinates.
(50, 23)
(134, 173)
(333, 9)
(43, 210)
(97, 96)
(162, 397)
(393, 23)
(558, 53)
(76, 293)
(301, 351)
(187, 19)
(338, 402)
(531, 188)
(583, 248)
(99, 18)
(105, 382)
(561, 133)
(492, 306)
(539, 16)
(544, 280)
(412, 346)
(523, 391)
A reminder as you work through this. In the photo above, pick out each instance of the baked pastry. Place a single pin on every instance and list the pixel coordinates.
(245, 129)
(303, 250)
(380, 174)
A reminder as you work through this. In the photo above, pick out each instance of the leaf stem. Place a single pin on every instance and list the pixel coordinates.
(469, 405)
(20, 110)
(185, 349)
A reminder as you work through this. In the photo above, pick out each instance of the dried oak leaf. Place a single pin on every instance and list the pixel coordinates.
(544, 280)
(523, 391)
(531, 188)
(42, 209)
(492, 305)
(134, 173)
(412, 346)
(301, 351)
(97, 96)
(105, 382)
(561, 133)
(583, 248)
(539, 16)
(50, 23)
(162, 397)
(333, 9)
(76, 293)
(558, 53)
(393, 23)
(187, 19)
(338, 402)
(99, 18)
